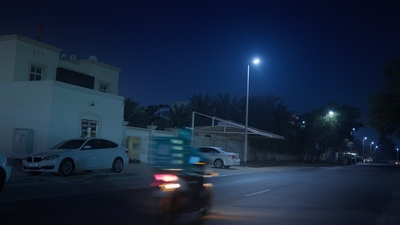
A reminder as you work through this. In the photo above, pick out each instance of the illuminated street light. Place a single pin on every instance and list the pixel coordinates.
(351, 134)
(330, 114)
(365, 138)
(397, 149)
(370, 149)
(376, 157)
(256, 61)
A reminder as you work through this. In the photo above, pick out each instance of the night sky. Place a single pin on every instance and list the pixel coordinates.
(311, 52)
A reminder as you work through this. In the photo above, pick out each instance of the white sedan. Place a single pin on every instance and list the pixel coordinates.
(5, 171)
(219, 157)
(82, 154)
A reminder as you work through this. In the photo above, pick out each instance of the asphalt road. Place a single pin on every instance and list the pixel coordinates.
(358, 194)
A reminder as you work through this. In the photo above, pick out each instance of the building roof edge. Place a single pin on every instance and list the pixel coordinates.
(29, 40)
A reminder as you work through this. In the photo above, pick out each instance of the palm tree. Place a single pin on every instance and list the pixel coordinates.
(179, 115)
(269, 113)
(134, 114)
(224, 107)
(201, 104)
(130, 108)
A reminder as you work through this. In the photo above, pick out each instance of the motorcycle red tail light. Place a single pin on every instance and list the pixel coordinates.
(166, 177)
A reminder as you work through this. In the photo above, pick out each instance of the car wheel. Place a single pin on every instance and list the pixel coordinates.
(218, 163)
(2, 179)
(117, 165)
(66, 167)
(34, 173)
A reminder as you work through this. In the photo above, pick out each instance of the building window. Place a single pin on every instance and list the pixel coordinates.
(104, 88)
(89, 128)
(36, 73)
(75, 78)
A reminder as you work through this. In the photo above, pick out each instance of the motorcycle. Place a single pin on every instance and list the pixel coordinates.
(177, 193)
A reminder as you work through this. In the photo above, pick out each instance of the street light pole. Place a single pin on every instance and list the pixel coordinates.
(351, 134)
(370, 149)
(376, 157)
(330, 113)
(397, 149)
(365, 138)
(256, 61)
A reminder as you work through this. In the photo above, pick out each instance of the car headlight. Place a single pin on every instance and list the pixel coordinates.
(50, 157)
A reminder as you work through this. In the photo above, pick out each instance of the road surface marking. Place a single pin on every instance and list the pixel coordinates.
(256, 193)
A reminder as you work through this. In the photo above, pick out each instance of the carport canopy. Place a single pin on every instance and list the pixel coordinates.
(233, 129)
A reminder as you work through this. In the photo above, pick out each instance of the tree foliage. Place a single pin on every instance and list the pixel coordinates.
(384, 104)
(269, 113)
(224, 107)
(134, 114)
(179, 116)
(328, 129)
(157, 115)
(201, 104)
(130, 108)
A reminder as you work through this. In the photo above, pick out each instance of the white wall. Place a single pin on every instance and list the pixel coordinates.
(146, 136)
(23, 105)
(7, 60)
(54, 111)
(20, 52)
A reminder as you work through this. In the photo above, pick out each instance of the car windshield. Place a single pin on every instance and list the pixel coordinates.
(71, 144)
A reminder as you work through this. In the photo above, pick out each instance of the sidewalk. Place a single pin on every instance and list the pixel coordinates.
(131, 169)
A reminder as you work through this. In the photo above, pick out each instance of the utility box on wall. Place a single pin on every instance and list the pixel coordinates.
(133, 146)
(22, 142)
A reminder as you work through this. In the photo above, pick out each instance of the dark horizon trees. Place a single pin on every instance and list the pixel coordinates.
(384, 107)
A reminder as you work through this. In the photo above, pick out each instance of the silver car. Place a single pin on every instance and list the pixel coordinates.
(82, 154)
(5, 171)
(368, 160)
(219, 157)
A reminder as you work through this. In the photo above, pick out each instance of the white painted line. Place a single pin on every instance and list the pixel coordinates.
(256, 193)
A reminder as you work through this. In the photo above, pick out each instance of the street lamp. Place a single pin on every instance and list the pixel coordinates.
(256, 61)
(397, 149)
(365, 138)
(330, 114)
(351, 146)
(370, 148)
(376, 157)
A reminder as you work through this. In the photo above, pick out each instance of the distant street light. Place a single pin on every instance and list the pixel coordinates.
(351, 146)
(256, 61)
(330, 113)
(376, 157)
(365, 138)
(397, 149)
(370, 149)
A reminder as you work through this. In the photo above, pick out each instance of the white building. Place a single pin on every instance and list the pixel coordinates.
(45, 98)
